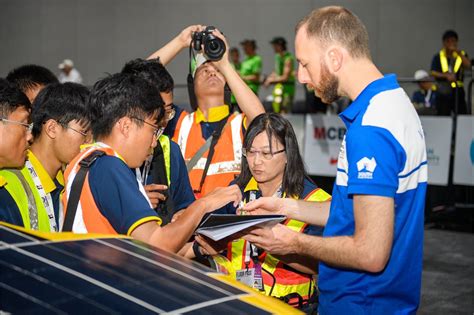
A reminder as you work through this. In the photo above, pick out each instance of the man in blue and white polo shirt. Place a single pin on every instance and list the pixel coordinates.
(371, 250)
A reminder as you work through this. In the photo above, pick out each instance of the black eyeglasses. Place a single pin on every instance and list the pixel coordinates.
(267, 155)
(158, 131)
(29, 127)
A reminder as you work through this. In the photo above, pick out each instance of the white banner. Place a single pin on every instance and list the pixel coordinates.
(297, 122)
(438, 132)
(323, 139)
(464, 152)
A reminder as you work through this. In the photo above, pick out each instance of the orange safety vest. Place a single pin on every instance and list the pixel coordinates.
(227, 157)
(88, 217)
(278, 280)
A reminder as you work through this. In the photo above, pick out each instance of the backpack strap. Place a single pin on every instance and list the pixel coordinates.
(76, 188)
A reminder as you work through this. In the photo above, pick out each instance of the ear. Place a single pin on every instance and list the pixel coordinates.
(51, 128)
(335, 57)
(124, 126)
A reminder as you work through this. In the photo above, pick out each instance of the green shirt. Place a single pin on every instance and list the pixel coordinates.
(289, 85)
(251, 65)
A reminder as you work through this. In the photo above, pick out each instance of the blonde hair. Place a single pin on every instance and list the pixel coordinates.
(337, 24)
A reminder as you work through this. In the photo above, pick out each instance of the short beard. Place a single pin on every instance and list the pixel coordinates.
(329, 84)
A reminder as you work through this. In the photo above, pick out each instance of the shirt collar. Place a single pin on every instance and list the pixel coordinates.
(214, 114)
(3, 181)
(48, 183)
(252, 185)
(362, 101)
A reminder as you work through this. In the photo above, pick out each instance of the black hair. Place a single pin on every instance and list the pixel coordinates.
(232, 49)
(30, 76)
(450, 34)
(11, 98)
(121, 95)
(151, 70)
(277, 126)
(63, 103)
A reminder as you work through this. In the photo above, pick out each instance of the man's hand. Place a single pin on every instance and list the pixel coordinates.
(224, 61)
(187, 34)
(153, 193)
(451, 77)
(221, 196)
(210, 247)
(266, 205)
(279, 240)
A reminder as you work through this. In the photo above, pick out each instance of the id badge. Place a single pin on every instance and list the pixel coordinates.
(251, 277)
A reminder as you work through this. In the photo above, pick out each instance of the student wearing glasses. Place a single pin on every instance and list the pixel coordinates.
(272, 166)
(60, 126)
(15, 135)
(164, 173)
(126, 114)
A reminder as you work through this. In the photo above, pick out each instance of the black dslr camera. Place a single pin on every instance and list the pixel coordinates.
(214, 47)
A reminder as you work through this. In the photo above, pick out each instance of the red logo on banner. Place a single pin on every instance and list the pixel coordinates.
(331, 133)
(332, 161)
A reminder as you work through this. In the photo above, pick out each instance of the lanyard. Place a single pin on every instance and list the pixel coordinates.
(45, 198)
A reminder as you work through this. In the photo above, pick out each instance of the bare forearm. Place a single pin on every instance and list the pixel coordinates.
(251, 77)
(248, 102)
(340, 251)
(173, 236)
(313, 213)
(169, 51)
(302, 263)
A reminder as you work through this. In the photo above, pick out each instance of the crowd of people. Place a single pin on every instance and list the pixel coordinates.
(121, 158)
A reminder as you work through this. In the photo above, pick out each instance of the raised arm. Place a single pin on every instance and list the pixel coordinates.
(174, 47)
(248, 102)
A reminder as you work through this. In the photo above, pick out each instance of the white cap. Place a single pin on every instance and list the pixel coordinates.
(66, 63)
(199, 60)
(422, 75)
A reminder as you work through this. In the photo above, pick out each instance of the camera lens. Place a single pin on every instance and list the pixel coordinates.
(214, 48)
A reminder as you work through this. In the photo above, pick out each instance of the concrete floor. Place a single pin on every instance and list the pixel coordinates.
(448, 273)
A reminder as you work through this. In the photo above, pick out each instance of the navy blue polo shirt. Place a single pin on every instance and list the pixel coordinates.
(382, 154)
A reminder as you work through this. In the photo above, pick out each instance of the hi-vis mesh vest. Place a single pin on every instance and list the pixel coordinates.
(88, 217)
(227, 156)
(284, 281)
(457, 65)
(15, 188)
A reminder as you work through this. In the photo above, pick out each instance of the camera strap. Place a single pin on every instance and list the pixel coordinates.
(215, 138)
(165, 209)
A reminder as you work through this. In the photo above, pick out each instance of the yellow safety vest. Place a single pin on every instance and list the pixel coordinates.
(457, 65)
(278, 281)
(22, 189)
(166, 147)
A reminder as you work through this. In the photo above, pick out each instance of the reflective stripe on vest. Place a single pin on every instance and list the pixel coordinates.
(286, 281)
(227, 157)
(445, 66)
(166, 147)
(88, 218)
(15, 188)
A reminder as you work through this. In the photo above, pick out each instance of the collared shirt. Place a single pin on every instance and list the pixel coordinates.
(382, 154)
(9, 209)
(214, 114)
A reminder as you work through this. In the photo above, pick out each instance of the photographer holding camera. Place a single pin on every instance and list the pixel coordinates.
(210, 138)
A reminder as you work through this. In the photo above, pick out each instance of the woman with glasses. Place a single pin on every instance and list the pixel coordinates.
(272, 166)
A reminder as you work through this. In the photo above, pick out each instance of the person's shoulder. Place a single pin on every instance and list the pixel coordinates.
(110, 165)
(312, 192)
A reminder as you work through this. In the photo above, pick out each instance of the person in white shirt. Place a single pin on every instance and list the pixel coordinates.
(68, 72)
